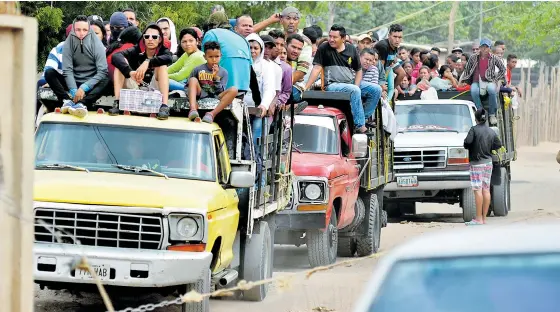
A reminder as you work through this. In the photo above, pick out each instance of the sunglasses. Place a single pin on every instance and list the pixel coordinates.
(155, 37)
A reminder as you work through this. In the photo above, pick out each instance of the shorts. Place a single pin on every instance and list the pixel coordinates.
(130, 83)
(481, 176)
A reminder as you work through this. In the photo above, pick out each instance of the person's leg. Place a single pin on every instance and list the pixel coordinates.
(492, 102)
(162, 80)
(486, 181)
(372, 93)
(475, 94)
(118, 83)
(355, 103)
(226, 98)
(256, 124)
(194, 90)
(476, 184)
(58, 86)
(94, 94)
(176, 85)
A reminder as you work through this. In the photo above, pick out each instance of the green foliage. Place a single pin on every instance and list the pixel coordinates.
(49, 19)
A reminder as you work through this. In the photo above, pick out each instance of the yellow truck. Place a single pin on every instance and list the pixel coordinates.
(156, 206)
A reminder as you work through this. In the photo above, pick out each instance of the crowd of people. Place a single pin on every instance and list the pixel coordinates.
(269, 69)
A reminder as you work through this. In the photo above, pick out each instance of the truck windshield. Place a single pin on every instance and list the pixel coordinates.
(433, 117)
(315, 134)
(176, 154)
(521, 282)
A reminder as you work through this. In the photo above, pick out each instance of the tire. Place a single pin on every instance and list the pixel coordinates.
(380, 199)
(469, 205)
(322, 245)
(346, 247)
(203, 287)
(500, 195)
(369, 241)
(257, 261)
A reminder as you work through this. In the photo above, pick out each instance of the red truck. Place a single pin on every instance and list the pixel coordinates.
(336, 206)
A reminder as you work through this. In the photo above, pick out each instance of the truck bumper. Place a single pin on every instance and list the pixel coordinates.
(127, 267)
(301, 220)
(433, 181)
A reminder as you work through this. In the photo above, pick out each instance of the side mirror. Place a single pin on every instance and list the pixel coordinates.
(359, 145)
(241, 179)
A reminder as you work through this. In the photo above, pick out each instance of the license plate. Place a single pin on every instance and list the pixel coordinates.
(102, 271)
(408, 181)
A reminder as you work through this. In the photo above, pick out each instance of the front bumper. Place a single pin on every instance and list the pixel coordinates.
(158, 268)
(433, 181)
(295, 220)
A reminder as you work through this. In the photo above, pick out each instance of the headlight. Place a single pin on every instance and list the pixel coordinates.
(312, 191)
(457, 156)
(186, 227)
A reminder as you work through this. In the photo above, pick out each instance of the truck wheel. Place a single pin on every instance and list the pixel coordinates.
(323, 245)
(368, 243)
(468, 204)
(202, 286)
(346, 247)
(500, 195)
(380, 199)
(257, 261)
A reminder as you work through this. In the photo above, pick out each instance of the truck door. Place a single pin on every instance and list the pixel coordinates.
(351, 168)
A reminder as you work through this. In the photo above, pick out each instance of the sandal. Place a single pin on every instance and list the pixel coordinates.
(208, 118)
(193, 114)
(473, 222)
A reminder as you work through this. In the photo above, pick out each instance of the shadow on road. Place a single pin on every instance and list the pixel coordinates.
(429, 218)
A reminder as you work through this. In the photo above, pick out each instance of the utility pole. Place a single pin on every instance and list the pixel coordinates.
(451, 33)
(480, 23)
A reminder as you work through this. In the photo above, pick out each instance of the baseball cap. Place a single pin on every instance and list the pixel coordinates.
(92, 18)
(486, 42)
(219, 19)
(268, 40)
(364, 36)
(457, 49)
(118, 19)
(291, 10)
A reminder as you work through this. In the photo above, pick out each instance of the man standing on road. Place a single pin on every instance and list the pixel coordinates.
(480, 142)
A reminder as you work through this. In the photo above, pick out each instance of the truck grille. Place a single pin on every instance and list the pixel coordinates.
(420, 159)
(102, 229)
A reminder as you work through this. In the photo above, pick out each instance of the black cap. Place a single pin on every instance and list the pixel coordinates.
(268, 40)
(480, 115)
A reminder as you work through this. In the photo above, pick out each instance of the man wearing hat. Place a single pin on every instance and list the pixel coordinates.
(457, 51)
(480, 72)
(118, 22)
(364, 41)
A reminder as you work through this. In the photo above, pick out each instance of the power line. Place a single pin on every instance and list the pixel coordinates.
(447, 24)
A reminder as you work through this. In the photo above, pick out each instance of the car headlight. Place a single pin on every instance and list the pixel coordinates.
(457, 156)
(183, 227)
(312, 191)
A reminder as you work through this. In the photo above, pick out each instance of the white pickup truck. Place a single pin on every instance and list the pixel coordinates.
(430, 163)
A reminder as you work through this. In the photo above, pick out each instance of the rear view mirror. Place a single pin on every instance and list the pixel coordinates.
(359, 145)
(241, 179)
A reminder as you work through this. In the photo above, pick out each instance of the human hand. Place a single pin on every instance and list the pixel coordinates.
(133, 75)
(263, 111)
(79, 95)
(141, 71)
(272, 108)
(275, 18)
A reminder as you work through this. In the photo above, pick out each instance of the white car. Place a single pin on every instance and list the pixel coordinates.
(484, 269)
(430, 163)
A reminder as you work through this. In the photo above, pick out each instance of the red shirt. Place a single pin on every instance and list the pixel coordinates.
(481, 69)
(508, 76)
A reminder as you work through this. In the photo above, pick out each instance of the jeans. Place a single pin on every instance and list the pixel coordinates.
(296, 95)
(371, 93)
(492, 97)
(176, 85)
(58, 86)
(257, 125)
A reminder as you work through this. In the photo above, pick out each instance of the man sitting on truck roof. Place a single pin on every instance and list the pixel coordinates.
(481, 74)
(343, 73)
(146, 62)
(387, 49)
(84, 69)
(209, 81)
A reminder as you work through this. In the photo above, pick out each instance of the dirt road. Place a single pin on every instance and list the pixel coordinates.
(534, 188)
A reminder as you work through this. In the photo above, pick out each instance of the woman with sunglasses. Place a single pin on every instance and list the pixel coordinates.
(146, 62)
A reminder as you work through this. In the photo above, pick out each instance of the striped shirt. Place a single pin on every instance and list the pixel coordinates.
(371, 75)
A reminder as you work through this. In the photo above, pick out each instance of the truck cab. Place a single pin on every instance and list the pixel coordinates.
(335, 208)
(157, 206)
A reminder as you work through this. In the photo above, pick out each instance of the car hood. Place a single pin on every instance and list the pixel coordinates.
(132, 190)
(429, 139)
(319, 165)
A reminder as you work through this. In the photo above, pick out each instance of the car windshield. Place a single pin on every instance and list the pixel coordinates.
(108, 148)
(503, 283)
(433, 117)
(315, 134)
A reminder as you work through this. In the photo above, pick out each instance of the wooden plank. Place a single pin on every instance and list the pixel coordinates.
(18, 42)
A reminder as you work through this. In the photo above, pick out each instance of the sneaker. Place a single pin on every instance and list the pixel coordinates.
(114, 111)
(193, 114)
(300, 107)
(78, 110)
(163, 113)
(493, 120)
(66, 104)
(208, 118)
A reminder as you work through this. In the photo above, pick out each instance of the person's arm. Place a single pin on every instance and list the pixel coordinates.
(501, 69)
(400, 75)
(468, 68)
(269, 89)
(496, 143)
(165, 59)
(358, 78)
(176, 66)
(68, 66)
(186, 67)
(317, 68)
(101, 64)
(286, 87)
(273, 19)
(469, 139)
(120, 60)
